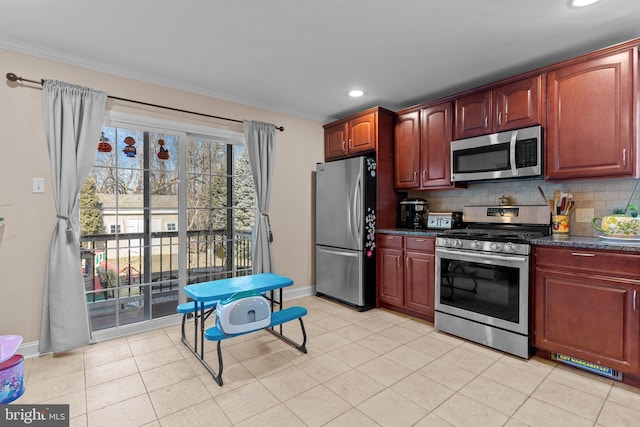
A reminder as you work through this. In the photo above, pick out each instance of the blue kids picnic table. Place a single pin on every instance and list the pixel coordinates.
(205, 296)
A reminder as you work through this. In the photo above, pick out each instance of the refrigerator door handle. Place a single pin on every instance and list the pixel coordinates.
(357, 205)
(353, 214)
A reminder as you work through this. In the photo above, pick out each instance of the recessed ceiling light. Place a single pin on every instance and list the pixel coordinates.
(356, 93)
(582, 3)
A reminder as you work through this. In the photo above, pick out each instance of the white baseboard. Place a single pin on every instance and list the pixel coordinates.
(294, 293)
(30, 349)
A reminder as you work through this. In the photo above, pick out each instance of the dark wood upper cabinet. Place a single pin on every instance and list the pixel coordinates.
(519, 104)
(435, 146)
(362, 133)
(407, 150)
(335, 140)
(356, 134)
(423, 148)
(473, 115)
(592, 113)
(508, 106)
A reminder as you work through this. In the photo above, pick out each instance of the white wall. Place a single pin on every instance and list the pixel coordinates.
(30, 217)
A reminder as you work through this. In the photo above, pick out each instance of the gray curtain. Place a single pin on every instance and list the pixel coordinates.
(73, 118)
(260, 146)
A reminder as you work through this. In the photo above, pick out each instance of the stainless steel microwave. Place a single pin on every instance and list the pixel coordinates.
(511, 154)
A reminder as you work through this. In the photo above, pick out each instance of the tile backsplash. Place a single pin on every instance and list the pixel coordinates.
(603, 196)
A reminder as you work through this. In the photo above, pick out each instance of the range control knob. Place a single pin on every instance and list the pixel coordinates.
(510, 247)
(475, 245)
(495, 246)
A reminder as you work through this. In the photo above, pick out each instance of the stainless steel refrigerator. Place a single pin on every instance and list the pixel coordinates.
(345, 231)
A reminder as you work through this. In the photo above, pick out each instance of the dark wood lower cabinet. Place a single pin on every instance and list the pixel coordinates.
(584, 309)
(390, 275)
(406, 274)
(419, 288)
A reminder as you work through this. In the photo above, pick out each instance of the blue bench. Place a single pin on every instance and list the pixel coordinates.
(277, 318)
(189, 307)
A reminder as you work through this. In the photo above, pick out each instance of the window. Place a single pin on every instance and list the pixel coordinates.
(220, 202)
(173, 234)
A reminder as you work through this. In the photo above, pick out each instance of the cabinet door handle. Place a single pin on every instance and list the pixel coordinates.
(408, 264)
(582, 254)
(391, 238)
(624, 157)
(350, 144)
(343, 147)
(486, 121)
(500, 118)
(634, 300)
(415, 176)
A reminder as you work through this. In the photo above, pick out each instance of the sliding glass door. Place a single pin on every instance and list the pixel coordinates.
(160, 210)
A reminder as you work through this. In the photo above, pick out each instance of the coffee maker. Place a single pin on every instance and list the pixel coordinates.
(413, 213)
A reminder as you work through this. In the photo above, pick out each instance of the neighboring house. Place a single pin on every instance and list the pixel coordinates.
(129, 216)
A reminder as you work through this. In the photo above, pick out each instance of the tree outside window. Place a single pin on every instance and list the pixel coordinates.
(131, 208)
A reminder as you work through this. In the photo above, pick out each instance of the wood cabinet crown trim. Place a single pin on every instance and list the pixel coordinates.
(378, 109)
(532, 73)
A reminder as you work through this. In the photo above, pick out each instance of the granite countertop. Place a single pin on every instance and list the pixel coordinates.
(409, 231)
(585, 242)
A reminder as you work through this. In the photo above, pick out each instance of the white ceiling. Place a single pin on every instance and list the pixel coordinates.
(302, 57)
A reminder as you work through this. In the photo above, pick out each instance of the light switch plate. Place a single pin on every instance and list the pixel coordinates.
(584, 215)
(38, 185)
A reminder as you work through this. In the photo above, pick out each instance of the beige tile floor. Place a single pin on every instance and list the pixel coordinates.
(362, 369)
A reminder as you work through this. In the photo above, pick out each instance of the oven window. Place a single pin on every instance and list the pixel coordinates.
(482, 159)
(490, 290)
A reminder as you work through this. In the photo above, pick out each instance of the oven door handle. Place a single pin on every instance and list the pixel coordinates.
(483, 256)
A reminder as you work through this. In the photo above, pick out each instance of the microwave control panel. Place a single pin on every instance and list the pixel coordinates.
(526, 153)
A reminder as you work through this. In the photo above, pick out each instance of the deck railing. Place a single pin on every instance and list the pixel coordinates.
(120, 268)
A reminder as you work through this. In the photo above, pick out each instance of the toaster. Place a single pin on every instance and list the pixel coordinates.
(444, 220)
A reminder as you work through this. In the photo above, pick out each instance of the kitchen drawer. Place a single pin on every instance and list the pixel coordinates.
(603, 262)
(424, 244)
(393, 241)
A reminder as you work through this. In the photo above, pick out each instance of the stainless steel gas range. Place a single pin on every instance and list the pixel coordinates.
(483, 276)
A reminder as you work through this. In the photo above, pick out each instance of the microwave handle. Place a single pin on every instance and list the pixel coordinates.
(512, 153)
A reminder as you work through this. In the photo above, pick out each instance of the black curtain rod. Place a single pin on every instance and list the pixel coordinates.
(13, 78)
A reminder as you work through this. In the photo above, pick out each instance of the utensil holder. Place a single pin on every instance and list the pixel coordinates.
(560, 225)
